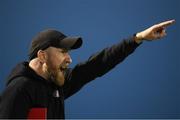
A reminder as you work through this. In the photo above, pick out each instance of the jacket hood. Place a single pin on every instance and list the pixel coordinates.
(21, 69)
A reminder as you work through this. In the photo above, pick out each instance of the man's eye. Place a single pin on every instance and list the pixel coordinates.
(64, 51)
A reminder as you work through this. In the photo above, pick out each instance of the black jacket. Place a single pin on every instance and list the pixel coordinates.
(26, 90)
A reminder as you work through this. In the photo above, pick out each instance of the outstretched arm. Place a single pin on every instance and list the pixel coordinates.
(103, 61)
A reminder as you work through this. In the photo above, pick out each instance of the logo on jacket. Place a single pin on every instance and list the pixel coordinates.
(56, 94)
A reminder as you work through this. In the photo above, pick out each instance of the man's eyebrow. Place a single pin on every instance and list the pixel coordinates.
(64, 50)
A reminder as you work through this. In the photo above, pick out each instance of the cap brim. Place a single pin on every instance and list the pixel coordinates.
(71, 42)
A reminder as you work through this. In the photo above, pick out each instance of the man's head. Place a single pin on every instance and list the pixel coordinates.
(49, 55)
(52, 38)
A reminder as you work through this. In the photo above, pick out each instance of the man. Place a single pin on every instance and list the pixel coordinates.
(38, 88)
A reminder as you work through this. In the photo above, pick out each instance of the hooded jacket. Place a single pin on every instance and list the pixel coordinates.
(26, 90)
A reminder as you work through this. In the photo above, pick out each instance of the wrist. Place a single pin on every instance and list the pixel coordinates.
(138, 38)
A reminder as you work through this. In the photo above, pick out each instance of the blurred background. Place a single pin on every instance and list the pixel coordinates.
(145, 85)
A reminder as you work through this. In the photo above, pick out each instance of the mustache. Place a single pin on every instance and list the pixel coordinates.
(64, 66)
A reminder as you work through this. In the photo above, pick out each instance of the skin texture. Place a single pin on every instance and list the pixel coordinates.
(51, 63)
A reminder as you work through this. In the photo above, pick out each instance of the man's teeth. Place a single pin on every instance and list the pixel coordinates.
(63, 68)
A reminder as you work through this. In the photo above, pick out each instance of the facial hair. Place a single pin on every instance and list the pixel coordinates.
(55, 74)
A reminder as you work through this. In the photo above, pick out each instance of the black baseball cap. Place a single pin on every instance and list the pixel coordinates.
(52, 38)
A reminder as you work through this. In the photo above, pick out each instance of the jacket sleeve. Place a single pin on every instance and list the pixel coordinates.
(15, 101)
(97, 65)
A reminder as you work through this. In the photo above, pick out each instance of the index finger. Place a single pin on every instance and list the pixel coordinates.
(166, 23)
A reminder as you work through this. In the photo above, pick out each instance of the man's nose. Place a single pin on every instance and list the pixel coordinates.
(68, 58)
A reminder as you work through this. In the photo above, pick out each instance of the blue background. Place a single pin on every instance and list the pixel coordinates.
(145, 85)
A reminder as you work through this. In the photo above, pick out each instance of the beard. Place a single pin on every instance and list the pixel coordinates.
(55, 73)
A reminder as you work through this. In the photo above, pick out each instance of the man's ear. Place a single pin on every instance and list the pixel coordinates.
(42, 56)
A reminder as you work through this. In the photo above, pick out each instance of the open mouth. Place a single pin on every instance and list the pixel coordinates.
(63, 68)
